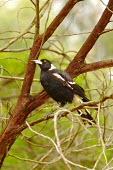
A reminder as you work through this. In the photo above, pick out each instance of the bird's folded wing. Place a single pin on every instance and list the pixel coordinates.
(67, 81)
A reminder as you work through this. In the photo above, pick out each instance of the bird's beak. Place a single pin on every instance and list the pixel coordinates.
(37, 62)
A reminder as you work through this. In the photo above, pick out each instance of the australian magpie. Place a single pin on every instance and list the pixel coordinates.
(61, 87)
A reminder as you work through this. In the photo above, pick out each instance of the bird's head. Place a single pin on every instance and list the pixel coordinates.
(44, 64)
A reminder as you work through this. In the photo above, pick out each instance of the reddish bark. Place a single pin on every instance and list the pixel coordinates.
(78, 64)
(26, 103)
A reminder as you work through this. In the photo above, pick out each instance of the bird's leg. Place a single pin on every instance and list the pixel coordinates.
(55, 109)
(62, 109)
(52, 111)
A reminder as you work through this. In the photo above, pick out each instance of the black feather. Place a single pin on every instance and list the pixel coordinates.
(60, 86)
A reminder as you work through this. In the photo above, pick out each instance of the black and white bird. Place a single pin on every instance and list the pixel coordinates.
(60, 86)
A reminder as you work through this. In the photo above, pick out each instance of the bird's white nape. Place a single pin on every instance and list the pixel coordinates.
(52, 67)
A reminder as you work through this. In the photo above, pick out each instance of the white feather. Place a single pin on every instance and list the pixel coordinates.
(70, 82)
(58, 76)
(61, 78)
(52, 67)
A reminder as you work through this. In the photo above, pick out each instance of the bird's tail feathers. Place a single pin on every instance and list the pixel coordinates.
(85, 99)
(85, 114)
(86, 117)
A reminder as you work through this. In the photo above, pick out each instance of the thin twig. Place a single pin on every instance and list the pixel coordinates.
(17, 78)
(37, 25)
(19, 36)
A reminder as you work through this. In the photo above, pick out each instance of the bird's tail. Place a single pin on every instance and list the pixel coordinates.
(86, 116)
(84, 113)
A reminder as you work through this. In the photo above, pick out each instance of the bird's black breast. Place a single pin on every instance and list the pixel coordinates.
(55, 88)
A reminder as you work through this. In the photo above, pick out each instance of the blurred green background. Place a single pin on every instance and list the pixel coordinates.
(84, 145)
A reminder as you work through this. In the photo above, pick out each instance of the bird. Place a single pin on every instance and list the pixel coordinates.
(60, 86)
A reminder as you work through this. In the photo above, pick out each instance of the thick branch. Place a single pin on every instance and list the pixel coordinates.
(78, 61)
(95, 66)
(40, 40)
(23, 108)
(64, 113)
(26, 103)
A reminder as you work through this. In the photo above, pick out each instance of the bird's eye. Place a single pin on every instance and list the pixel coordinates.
(44, 61)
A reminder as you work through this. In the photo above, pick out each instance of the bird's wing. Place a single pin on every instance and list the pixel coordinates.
(67, 81)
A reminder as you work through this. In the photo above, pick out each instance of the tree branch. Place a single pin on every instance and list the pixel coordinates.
(94, 66)
(22, 109)
(40, 40)
(65, 113)
(78, 61)
(37, 25)
(19, 36)
(26, 103)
